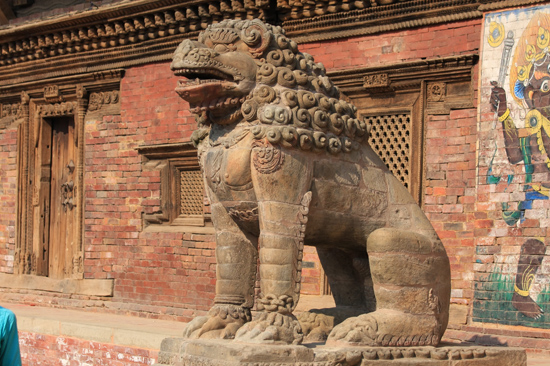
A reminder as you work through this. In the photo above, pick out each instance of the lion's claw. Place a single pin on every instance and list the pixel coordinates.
(223, 322)
(271, 328)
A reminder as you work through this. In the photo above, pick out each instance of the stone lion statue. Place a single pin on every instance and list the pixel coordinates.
(286, 163)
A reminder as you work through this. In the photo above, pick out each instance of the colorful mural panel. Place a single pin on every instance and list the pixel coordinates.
(513, 270)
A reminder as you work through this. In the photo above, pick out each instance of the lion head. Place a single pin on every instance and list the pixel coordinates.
(249, 74)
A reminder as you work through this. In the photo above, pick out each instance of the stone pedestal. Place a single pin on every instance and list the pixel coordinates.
(180, 352)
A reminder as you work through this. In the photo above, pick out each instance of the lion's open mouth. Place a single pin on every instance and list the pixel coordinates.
(206, 86)
(212, 91)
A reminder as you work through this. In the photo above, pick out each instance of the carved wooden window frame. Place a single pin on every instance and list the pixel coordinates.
(171, 160)
(419, 88)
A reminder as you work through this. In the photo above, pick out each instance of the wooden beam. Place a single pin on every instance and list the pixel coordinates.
(5, 12)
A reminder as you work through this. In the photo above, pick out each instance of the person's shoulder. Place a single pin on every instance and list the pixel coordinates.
(6, 313)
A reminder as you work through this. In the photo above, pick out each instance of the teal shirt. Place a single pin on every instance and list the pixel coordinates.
(9, 340)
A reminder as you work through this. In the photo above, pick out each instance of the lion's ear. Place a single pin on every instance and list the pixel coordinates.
(257, 37)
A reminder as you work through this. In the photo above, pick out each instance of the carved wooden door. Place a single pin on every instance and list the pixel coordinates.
(56, 155)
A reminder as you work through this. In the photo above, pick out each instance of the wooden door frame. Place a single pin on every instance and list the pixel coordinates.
(28, 258)
(70, 99)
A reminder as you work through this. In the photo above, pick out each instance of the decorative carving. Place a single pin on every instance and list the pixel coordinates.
(51, 94)
(408, 84)
(436, 92)
(230, 315)
(81, 91)
(16, 259)
(308, 119)
(67, 193)
(98, 100)
(209, 353)
(11, 110)
(266, 157)
(244, 215)
(302, 219)
(57, 109)
(376, 80)
(345, 19)
(408, 76)
(25, 98)
(100, 38)
(294, 155)
(78, 265)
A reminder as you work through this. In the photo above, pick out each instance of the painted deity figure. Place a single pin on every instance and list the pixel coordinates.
(528, 141)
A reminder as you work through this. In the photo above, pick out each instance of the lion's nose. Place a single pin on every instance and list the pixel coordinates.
(183, 51)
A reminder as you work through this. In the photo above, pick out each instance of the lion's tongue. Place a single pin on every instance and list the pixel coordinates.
(200, 93)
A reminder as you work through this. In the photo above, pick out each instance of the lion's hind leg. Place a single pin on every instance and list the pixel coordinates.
(350, 282)
(411, 281)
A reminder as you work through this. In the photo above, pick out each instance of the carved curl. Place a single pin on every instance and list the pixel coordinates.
(267, 74)
(249, 109)
(256, 36)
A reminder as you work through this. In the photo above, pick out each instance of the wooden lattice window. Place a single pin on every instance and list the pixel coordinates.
(390, 138)
(182, 193)
(186, 205)
(191, 193)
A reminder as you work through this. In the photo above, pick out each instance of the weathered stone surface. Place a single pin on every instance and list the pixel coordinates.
(88, 287)
(179, 352)
(285, 163)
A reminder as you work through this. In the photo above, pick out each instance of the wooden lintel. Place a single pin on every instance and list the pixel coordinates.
(5, 12)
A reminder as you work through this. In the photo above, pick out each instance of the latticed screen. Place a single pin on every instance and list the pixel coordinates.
(390, 137)
(191, 193)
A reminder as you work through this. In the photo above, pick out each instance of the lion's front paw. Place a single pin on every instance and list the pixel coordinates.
(272, 328)
(361, 330)
(222, 322)
(192, 328)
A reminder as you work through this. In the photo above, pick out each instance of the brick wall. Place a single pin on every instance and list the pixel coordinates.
(393, 47)
(153, 271)
(450, 192)
(312, 272)
(8, 196)
(42, 349)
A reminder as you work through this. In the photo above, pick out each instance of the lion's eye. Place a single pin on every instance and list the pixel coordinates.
(221, 48)
(545, 87)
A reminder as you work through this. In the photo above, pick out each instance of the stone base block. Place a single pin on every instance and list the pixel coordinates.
(180, 352)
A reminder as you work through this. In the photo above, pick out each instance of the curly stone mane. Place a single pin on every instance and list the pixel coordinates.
(293, 103)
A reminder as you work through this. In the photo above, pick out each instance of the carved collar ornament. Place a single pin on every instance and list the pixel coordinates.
(144, 31)
(249, 74)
